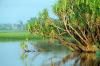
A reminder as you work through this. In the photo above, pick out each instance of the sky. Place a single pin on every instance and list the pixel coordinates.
(11, 11)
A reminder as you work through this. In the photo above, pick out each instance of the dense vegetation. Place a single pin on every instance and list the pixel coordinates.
(78, 18)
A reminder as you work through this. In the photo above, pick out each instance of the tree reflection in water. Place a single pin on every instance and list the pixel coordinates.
(73, 59)
(86, 59)
(80, 59)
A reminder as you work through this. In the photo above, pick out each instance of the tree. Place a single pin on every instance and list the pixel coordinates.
(81, 20)
(20, 25)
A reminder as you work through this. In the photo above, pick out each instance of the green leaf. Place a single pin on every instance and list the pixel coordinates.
(87, 1)
(41, 33)
(35, 23)
(82, 1)
(63, 7)
(71, 15)
(98, 53)
(23, 46)
(28, 25)
(97, 59)
(22, 43)
(96, 45)
(51, 28)
(94, 30)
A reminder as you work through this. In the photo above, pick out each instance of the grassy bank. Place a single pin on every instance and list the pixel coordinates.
(16, 34)
(20, 34)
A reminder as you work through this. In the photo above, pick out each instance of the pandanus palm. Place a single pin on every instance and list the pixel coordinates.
(81, 19)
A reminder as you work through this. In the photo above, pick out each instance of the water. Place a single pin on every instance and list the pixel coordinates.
(11, 54)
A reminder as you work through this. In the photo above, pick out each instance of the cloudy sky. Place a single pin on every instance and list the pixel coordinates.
(11, 11)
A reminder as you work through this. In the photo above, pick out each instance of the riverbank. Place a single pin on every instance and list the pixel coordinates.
(16, 35)
(20, 34)
(8, 36)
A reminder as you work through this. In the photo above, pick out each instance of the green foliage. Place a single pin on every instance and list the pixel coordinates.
(45, 13)
(80, 7)
(23, 45)
(88, 6)
(77, 17)
(28, 25)
(98, 53)
(40, 16)
(34, 23)
(96, 45)
(97, 59)
(59, 6)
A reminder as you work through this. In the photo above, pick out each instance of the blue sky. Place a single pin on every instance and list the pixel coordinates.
(11, 11)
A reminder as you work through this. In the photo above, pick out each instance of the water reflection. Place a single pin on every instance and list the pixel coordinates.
(11, 55)
(73, 59)
(80, 59)
(83, 59)
(57, 59)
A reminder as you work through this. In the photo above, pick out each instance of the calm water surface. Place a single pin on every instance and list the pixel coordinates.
(11, 54)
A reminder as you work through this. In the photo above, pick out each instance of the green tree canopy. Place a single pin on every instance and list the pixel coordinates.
(81, 20)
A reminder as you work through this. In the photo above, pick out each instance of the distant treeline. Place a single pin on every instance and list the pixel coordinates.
(22, 26)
